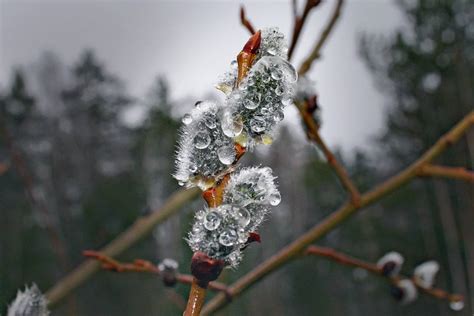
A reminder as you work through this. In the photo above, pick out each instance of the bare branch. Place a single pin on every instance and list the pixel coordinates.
(460, 173)
(134, 233)
(299, 22)
(340, 215)
(344, 259)
(245, 22)
(315, 53)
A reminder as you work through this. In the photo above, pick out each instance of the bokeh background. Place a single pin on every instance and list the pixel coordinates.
(91, 96)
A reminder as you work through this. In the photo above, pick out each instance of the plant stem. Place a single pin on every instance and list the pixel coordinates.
(340, 215)
(460, 173)
(196, 299)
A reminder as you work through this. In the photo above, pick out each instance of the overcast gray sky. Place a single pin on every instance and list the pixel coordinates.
(192, 43)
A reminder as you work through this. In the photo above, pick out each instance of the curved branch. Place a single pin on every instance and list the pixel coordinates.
(340, 215)
(134, 233)
(316, 52)
(245, 22)
(344, 259)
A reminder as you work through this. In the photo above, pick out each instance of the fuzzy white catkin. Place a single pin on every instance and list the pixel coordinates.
(410, 293)
(30, 302)
(425, 273)
(223, 231)
(201, 140)
(392, 257)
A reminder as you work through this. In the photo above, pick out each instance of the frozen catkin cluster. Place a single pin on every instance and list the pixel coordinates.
(223, 231)
(30, 302)
(259, 101)
(204, 151)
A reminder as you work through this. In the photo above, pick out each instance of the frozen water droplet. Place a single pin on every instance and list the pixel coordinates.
(258, 124)
(275, 198)
(233, 258)
(249, 104)
(233, 64)
(271, 52)
(212, 220)
(287, 101)
(456, 305)
(193, 167)
(269, 99)
(231, 126)
(277, 74)
(200, 214)
(278, 116)
(265, 110)
(187, 119)
(242, 215)
(180, 183)
(279, 90)
(243, 236)
(226, 155)
(228, 237)
(210, 121)
(202, 140)
(266, 78)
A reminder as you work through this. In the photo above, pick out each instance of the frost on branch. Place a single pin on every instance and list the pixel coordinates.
(204, 151)
(222, 232)
(30, 302)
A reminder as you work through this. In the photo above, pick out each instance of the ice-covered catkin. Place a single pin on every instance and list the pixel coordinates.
(30, 302)
(261, 98)
(204, 151)
(221, 232)
(273, 43)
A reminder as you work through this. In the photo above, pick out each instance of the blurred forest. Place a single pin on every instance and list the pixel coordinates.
(73, 175)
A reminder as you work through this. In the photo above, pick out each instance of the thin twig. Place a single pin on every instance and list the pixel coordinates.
(140, 265)
(134, 233)
(245, 22)
(460, 173)
(312, 131)
(339, 216)
(299, 22)
(316, 52)
(344, 259)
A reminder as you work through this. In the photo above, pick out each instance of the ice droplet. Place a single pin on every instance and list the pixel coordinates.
(456, 305)
(275, 198)
(226, 155)
(287, 101)
(279, 90)
(243, 236)
(258, 124)
(210, 121)
(202, 140)
(187, 119)
(212, 220)
(249, 104)
(231, 126)
(277, 74)
(242, 215)
(278, 116)
(228, 237)
(193, 167)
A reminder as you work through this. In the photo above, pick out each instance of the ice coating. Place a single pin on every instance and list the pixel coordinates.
(201, 139)
(221, 232)
(30, 302)
(261, 98)
(273, 43)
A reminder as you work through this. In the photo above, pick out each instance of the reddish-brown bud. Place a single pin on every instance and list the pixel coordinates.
(205, 269)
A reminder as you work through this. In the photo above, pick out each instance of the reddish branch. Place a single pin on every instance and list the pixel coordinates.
(344, 259)
(245, 22)
(299, 21)
(460, 173)
(316, 52)
(140, 265)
